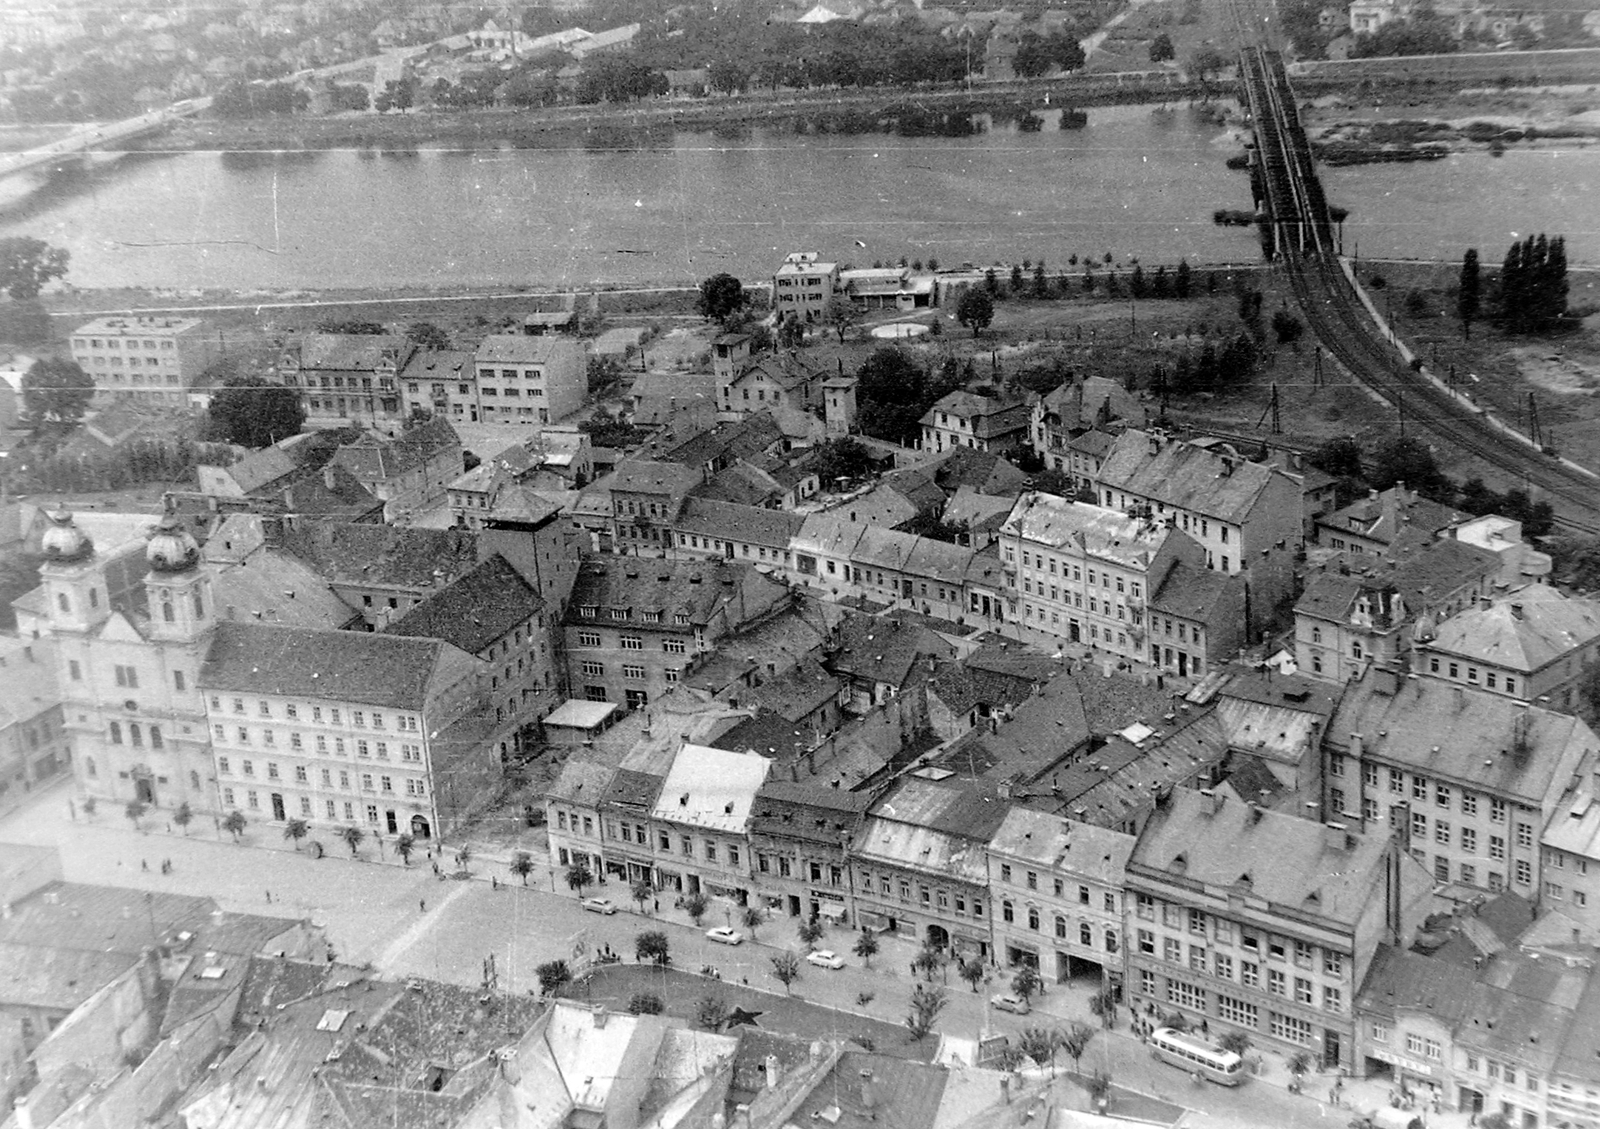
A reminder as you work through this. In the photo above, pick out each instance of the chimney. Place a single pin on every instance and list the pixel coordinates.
(1333, 836)
(772, 1071)
(1386, 680)
(1516, 610)
(1214, 799)
(327, 476)
(1355, 745)
(869, 1095)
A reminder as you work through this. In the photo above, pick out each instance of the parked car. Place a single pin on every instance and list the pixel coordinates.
(824, 958)
(599, 905)
(1008, 1001)
(724, 935)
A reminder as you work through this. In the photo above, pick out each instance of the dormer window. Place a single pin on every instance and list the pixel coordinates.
(619, 613)
(588, 611)
(680, 618)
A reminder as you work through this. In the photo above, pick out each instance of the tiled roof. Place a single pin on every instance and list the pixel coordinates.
(633, 789)
(1054, 842)
(1526, 630)
(581, 782)
(798, 691)
(641, 476)
(1400, 983)
(1193, 592)
(1104, 533)
(1383, 517)
(731, 439)
(989, 417)
(1184, 476)
(976, 510)
(382, 555)
(341, 666)
(729, 520)
(1093, 402)
(352, 352)
(651, 592)
(876, 650)
(57, 979)
(476, 611)
(742, 484)
(526, 349)
(443, 365)
(102, 918)
(273, 587)
(1284, 859)
(375, 459)
(262, 468)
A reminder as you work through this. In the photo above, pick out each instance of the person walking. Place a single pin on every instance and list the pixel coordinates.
(422, 905)
(269, 897)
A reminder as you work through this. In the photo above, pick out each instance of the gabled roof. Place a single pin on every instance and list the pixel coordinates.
(581, 782)
(381, 555)
(526, 349)
(375, 459)
(476, 611)
(731, 521)
(877, 650)
(650, 592)
(1384, 517)
(445, 365)
(647, 477)
(260, 469)
(1293, 862)
(1400, 983)
(987, 417)
(729, 440)
(1185, 476)
(1061, 844)
(711, 788)
(1092, 402)
(1526, 630)
(1196, 593)
(1425, 572)
(345, 666)
(353, 352)
(1104, 533)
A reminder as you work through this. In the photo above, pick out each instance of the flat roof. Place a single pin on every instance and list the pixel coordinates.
(576, 713)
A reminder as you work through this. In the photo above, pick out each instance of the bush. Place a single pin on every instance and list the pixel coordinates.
(646, 1003)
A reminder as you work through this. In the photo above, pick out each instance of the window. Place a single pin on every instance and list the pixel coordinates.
(1441, 832)
(127, 677)
(1172, 950)
(674, 646)
(1524, 872)
(631, 643)
(1147, 942)
(1237, 1012)
(1497, 847)
(1291, 1029)
(1302, 954)
(1497, 810)
(1524, 834)
(588, 638)
(1441, 795)
(1144, 906)
(1469, 840)
(1249, 974)
(1277, 982)
(630, 670)
(593, 669)
(1469, 803)
(1332, 963)
(1222, 965)
(1302, 990)
(1380, 1032)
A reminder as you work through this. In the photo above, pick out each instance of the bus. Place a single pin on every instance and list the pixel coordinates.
(1192, 1053)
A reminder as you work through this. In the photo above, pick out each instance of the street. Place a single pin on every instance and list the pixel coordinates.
(407, 922)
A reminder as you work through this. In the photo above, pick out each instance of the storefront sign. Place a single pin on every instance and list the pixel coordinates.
(1411, 1064)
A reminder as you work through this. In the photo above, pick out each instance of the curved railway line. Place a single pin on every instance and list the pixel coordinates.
(1298, 233)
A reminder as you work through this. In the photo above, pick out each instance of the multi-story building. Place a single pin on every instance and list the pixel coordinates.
(1083, 573)
(1057, 888)
(523, 379)
(708, 529)
(699, 824)
(348, 379)
(1468, 781)
(1373, 523)
(1569, 851)
(769, 383)
(441, 381)
(347, 728)
(1241, 512)
(634, 626)
(1534, 645)
(1090, 404)
(919, 865)
(803, 284)
(34, 749)
(645, 500)
(1357, 611)
(382, 571)
(1262, 922)
(997, 424)
(149, 359)
(888, 567)
(800, 841)
(409, 472)
(574, 826)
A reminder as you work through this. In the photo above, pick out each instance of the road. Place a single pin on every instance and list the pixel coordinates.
(409, 923)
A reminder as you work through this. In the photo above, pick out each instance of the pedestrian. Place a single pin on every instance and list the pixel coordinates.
(494, 883)
(422, 905)
(658, 905)
(72, 810)
(169, 829)
(1205, 1028)
(745, 980)
(436, 870)
(144, 864)
(269, 897)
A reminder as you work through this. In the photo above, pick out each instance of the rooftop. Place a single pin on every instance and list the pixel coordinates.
(525, 349)
(476, 611)
(381, 556)
(1526, 630)
(1184, 476)
(373, 458)
(711, 788)
(1106, 534)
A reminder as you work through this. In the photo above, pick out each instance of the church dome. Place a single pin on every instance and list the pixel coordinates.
(171, 548)
(64, 541)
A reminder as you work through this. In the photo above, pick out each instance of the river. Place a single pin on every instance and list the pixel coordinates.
(1132, 180)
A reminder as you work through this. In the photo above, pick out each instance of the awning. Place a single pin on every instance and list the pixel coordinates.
(831, 909)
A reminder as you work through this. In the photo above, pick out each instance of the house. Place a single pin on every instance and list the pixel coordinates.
(576, 830)
(801, 836)
(441, 381)
(1520, 562)
(683, 404)
(1373, 523)
(1467, 780)
(523, 379)
(34, 749)
(1262, 922)
(646, 498)
(919, 865)
(614, 39)
(348, 379)
(803, 285)
(412, 471)
(634, 626)
(997, 424)
(700, 823)
(879, 661)
(887, 288)
(1057, 886)
(1535, 645)
(769, 383)
(381, 571)
(1077, 407)
(153, 360)
(1081, 573)
(751, 534)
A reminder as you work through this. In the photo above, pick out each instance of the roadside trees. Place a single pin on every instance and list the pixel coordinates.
(295, 830)
(786, 967)
(183, 817)
(975, 309)
(404, 846)
(578, 876)
(1026, 983)
(866, 947)
(522, 865)
(553, 976)
(352, 837)
(135, 812)
(927, 1001)
(840, 313)
(695, 905)
(234, 824)
(651, 945)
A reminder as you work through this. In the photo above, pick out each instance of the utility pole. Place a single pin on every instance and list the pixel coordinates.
(1400, 407)
(1316, 367)
(1533, 422)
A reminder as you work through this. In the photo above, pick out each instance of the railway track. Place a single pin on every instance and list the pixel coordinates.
(1296, 215)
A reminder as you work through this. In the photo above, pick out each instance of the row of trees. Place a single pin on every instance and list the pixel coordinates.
(259, 99)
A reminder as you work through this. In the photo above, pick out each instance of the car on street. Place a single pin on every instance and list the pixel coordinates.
(823, 958)
(600, 905)
(1008, 1001)
(724, 935)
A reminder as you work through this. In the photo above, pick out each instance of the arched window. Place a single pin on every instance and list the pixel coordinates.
(1033, 918)
(135, 736)
(1085, 934)
(166, 611)
(62, 602)
(1061, 926)
(89, 769)
(94, 597)
(116, 733)
(1111, 940)
(1007, 911)
(155, 737)
(199, 605)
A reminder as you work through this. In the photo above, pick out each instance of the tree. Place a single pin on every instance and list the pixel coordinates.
(786, 967)
(553, 976)
(1287, 327)
(88, 805)
(253, 412)
(646, 1003)
(404, 845)
(1039, 1044)
(295, 830)
(1054, 482)
(1206, 64)
(972, 972)
(651, 945)
(695, 905)
(841, 313)
(1098, 1087)
(28, 265)
(521, 865)
(183, 817)
(927, 523)
(1533, 285)
(927, 1001)
(810, 932)
(1407, 459)
(56, 391)
(578, 876)
(135, 812)
(1469, 292)
(1161, 49)
(427, 335)
(711, 1013)
(844, 458)
(397, 94)
(1297, 1064)
(352, 328)
(1075, 1039)
(1340, 458)
(752, 919)
(1026, 981)
(866, 946)
(234, 824)
(928, 960)
(463, 855)
(1103, 1005)
(728, 78)
(1234, 1042)
(975, 309)
(1138, 287)
(352, 837)
(721, 296)
(1182, 280)
(641, 892)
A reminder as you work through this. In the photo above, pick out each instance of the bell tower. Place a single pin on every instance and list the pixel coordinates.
(73, 581)
(177, 588)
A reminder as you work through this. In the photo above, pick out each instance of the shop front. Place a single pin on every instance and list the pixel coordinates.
(830, 904)
(1411, 1076)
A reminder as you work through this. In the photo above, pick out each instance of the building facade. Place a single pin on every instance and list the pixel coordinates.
(153, 360)
(803, 285)
(348, 379)
(800, 841)
(523, 379)
(34, 750)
